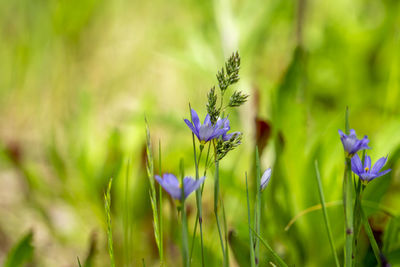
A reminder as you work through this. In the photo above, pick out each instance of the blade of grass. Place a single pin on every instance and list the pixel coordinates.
(252, 259)
(126, 218)
(348, 203)
(365, 203)
(185, 245)
(153, 197)
(21, 252)
(371, 238)
(216, 200)
(107, 202)
(278, 259)
(226, 255)
(325, 213)
(257, 206)
(160, 210)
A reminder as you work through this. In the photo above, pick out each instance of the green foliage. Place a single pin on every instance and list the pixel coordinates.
(77, 76)
(21, 253)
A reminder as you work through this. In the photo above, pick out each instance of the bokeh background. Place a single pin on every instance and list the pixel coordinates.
(77, 79)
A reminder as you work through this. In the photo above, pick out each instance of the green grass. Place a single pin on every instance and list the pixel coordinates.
(77, 77)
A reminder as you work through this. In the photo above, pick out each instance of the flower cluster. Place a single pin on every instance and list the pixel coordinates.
(214, 128)
(365, 172)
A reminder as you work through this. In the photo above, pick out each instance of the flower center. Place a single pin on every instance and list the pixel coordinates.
(366, 169)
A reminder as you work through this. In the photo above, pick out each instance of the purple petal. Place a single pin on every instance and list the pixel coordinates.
(217, 133)
(341, 133)
(195, 119)
(367, 176)
(360, 145)
(356, 165)
(367, 162)
(207, 120)
(170, 184)
(206, 132)
(378, 165)
(190, 125)
(265, 178)
(222, 123)
(383, 173)
(352, 133)
(190, 185)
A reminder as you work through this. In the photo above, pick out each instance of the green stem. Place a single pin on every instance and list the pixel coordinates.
(226, 255)
(348, 213)
(325, 213)
(257, 207)
(348, 203)
(357, 220)
(197, 213)
(160, 206)
(185, 246)
(216, 197)
(252, 259)
(278, 259)
(370, 234)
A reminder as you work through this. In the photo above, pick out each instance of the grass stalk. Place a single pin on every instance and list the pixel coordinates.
(251, 246)
(160, 210)
(107, 205)
(199, 213)
(371, 238)
(348, 204)
(325, 213)
(278, 259)
(216, 200)
(257, 209)
(185, 245)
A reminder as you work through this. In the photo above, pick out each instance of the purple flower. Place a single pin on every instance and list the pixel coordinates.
(351, 144)
(367, 173)
(265, 179)
(207, 131)
(171, 184)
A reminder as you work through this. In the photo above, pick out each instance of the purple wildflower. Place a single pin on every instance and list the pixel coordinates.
(265, 179)
(367, 173)
(207, 131)
(171, 184)
(351, 144)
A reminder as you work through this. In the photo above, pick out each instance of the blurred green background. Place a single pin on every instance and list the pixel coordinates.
(78, 77)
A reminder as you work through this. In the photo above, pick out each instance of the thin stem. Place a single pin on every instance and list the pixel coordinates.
(278, 259)
(357, 219)
(216, 197)
(325, 213)
(252, 259)
(160, 206)
(199, 214)
(365, 203)
(348, 213)
(371, 238)
(185, 246)
(258, 207)
(348, 204)
(226, 255)
(107, 205)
